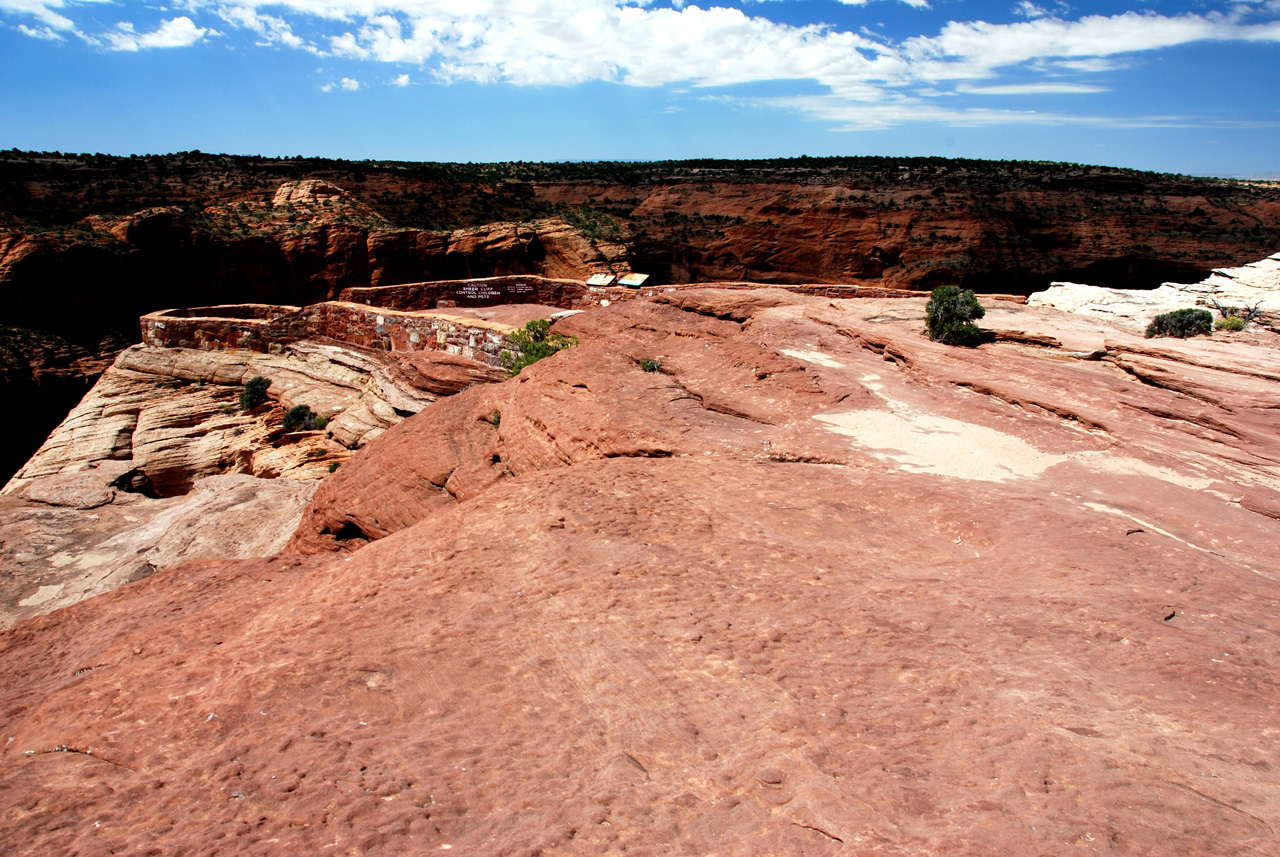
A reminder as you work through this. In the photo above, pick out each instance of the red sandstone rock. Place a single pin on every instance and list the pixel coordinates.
(444, 374)
(815, 586)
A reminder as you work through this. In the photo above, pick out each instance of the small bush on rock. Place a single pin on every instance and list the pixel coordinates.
(1236, 317)
(533, 342)
(949, 316)
(254, 393)
(302, 418)
(1181, 323)
(651, 364)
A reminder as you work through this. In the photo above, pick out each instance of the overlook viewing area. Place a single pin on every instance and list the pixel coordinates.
(470, 318)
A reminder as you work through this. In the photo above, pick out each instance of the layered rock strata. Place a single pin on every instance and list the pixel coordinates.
(1252, 286)
(173, 412)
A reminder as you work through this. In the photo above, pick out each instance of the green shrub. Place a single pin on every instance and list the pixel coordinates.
(334, 466)
(1181, 323)
(1236, 317)
(300, 418)
(651, 364)
(254, 393)
(533, 342)
(949, 316)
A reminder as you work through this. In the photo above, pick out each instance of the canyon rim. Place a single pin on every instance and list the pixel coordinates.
(752, 568)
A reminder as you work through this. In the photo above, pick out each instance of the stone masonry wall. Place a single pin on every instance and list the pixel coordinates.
(394, 330)
(359, 324)
(488, 291)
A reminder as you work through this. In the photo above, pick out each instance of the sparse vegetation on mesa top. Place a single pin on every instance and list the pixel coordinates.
(1182, 323)
(949, 317)
(532, 343)
(432, 195)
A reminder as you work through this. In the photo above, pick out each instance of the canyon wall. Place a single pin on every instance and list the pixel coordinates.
(88, 243)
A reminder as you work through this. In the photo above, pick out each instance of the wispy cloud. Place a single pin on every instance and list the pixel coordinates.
(638, 43)
(900, 111)
(1032, 89)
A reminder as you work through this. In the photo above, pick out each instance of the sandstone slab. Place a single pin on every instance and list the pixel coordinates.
(1253, 285)
(814, 585)
(54, 555)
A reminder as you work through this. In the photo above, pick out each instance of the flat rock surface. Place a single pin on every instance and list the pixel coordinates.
(54, 555)
(1256, 285)
(814, 586)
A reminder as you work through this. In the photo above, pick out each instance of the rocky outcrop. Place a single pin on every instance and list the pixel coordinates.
(815, 585)
(75, 535)
(307, 192)
(1253, 286)
(173, 412)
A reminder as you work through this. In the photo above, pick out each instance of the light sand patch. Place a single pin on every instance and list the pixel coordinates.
(45, 593)
(82, 561)
(813, 357)
(924, 443)
(1122, 466)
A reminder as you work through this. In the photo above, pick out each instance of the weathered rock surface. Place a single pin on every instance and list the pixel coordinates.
(306, 192)
(173, 412)
(1256, 285)
(58, 549)
(815, 586)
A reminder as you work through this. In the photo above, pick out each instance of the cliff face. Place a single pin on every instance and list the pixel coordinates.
(918, 235)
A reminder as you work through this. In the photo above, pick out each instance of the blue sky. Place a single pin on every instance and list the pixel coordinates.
(1187, 87)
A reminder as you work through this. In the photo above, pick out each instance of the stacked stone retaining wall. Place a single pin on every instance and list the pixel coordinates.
(358, 324)
(482, 292)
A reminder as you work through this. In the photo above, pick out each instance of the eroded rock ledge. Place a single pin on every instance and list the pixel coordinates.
(1253, 285)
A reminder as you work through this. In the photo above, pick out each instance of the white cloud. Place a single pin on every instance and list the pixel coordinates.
(564, 42)
(898, 111)
(177, 33)
(1031, 89)
(271, 29)
(43, 11)
(638, 43)
(917, 4)
(47, 33)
